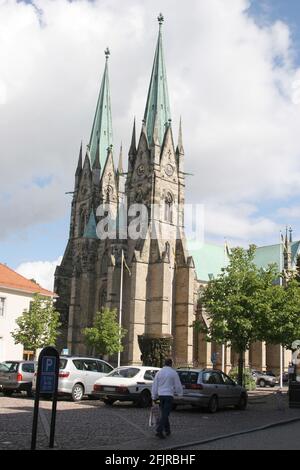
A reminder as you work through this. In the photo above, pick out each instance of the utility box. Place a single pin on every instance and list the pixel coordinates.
(294, 387)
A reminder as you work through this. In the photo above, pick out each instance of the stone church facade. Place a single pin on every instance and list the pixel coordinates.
(160, 285)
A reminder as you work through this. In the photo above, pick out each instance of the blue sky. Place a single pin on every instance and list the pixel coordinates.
(48, 169)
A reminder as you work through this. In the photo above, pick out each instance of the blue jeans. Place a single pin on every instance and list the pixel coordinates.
(166, 403)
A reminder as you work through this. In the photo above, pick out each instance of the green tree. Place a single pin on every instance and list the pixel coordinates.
(37, 327)
(238, 303)
(283, 314)
(105, 336)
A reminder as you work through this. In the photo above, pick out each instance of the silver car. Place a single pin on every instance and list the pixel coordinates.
(16, 376)
(77, 375)
(264, 378)
(210, 388)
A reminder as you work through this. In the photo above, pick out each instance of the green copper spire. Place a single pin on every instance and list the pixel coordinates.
(102, 135)
(158, 106)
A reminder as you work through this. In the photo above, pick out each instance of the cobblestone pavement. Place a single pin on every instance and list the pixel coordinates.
(93, 425)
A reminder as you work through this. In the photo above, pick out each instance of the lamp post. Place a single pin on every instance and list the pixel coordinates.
(120, 307)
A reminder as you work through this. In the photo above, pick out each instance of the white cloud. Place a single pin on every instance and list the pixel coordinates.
(232, 80)
(41, 271)
(289, 212)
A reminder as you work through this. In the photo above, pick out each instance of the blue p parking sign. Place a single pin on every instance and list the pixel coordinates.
(46, 382)
(48, 374)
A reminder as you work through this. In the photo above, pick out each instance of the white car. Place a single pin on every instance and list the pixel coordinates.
(77, 375)
(128, 383)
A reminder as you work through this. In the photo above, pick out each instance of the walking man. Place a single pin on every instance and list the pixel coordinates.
(166, 384)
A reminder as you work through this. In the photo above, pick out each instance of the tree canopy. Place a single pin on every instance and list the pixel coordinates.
(105, 336)
(37, 327)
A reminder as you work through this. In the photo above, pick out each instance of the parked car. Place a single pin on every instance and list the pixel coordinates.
(127, 383)
(211, 389)
(263, 379)
(16, 376)
(77, 375)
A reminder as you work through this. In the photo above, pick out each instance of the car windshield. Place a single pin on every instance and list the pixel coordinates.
(127, 373)
(12, 366)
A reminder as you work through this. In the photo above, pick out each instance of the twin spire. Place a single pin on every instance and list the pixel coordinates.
(102, 132)
(157, 112)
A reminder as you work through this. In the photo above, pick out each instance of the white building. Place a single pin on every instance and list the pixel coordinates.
(16, 293)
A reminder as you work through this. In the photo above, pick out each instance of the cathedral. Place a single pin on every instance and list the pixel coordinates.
(153, 279)
(159, 283)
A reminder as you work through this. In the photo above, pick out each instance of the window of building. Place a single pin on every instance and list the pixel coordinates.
(2, 306)
(169, 208)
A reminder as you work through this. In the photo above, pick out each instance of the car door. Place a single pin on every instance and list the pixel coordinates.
(232, 392)
(221, 389)
(92, 374)
(211, 384)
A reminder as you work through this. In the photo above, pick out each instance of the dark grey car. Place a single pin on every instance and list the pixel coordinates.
(16, 376)
(211, 389)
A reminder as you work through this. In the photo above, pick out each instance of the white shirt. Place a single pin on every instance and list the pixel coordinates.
(166, 383)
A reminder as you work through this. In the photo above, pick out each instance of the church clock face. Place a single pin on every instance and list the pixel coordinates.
(141, 170)
(169, 170)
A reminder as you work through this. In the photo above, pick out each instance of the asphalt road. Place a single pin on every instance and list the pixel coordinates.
(285, 437)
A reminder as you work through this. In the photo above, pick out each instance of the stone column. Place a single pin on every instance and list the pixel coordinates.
(184, 313)
(137, 311)
(259, 356)
(273, 358)
(228, 364)
(205, 350)
(246, 360)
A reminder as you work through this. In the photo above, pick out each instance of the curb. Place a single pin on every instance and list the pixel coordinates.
(234, 434)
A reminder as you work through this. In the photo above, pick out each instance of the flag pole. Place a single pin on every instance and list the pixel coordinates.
(120, 308)
(280, 280)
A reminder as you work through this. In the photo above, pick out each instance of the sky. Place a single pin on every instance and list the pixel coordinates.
(234, 76)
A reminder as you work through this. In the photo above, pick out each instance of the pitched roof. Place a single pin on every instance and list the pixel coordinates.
(209, 259)
(9, 279)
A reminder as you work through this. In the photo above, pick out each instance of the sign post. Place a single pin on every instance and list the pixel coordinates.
(46, 383)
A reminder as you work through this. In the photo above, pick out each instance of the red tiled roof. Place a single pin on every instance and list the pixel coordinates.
(12, 280)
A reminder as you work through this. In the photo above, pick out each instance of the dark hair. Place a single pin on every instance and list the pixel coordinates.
(168, 362)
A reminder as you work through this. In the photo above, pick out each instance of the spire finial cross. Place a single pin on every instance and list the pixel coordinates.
(161, 19)
(107, 53)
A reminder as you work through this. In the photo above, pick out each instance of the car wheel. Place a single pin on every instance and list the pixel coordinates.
(242, 404)
(109, 401)
(213, 404)
(262, 383)
(272, 385)
(29, 393)
(77, 392)
(7, 393)
(145, 399)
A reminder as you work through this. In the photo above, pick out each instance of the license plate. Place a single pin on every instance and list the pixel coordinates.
(109, 389)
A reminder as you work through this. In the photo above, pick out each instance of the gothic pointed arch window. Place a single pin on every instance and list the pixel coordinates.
(169, 208)
(102, 298)
(82, 221)
(104, 263)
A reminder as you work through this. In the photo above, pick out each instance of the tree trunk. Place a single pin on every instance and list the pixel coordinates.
(241, 368)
